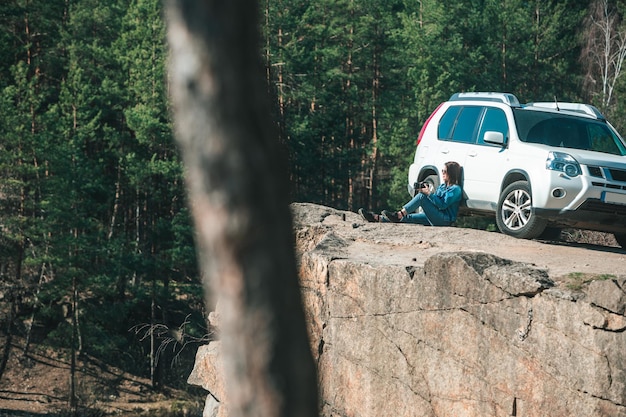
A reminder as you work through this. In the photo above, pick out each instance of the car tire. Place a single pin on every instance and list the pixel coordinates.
(516, 215)
(621, 239)
(432, 181)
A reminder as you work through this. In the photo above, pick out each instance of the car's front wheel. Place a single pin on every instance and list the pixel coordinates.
(515, 215)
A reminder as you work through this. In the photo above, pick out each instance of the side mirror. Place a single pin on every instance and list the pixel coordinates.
(497, 138)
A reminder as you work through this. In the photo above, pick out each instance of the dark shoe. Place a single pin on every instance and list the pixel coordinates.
(392, 216)
(368, 215)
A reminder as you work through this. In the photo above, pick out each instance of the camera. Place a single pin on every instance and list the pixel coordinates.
(419, 185)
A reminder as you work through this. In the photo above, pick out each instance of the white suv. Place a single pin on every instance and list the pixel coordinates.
(533, 166)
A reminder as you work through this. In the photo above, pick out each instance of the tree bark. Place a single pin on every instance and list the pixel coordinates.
(604, 53)
(8, 343)
(239, 195)
(153, 379)
(73, 399)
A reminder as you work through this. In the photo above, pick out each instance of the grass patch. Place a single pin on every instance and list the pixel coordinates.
(575, 281)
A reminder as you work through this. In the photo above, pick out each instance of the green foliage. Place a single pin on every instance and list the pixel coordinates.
(576, 281)
(92, 184)
(91, 180)
(355, 80)
(477, 222)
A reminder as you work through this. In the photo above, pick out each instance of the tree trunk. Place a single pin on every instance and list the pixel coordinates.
(6, 351)
(29, 329)
(373, 165)
(153, 378)
(73, 400)
(604, 53)
(238, 188)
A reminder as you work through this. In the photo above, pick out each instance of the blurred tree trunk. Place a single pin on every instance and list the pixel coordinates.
(239, 196)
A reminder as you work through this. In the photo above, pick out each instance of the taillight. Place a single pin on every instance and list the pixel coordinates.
(419, 137)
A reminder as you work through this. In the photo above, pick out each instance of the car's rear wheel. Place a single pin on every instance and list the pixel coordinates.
(432, 181)
(516, 216)
(621, 239)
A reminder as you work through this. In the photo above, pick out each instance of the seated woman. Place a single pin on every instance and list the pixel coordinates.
(439, 208)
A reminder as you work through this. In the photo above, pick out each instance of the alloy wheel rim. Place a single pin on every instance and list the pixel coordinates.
(516, 209)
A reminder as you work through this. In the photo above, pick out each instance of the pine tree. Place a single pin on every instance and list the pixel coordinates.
(150, 185)
(27, 79)
(330, 69)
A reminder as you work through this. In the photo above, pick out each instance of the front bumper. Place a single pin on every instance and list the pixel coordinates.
(593, 214)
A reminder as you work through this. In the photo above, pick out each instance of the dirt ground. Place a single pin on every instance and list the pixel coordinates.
(37, 384)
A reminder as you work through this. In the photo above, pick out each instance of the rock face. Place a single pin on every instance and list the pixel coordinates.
(461, 333)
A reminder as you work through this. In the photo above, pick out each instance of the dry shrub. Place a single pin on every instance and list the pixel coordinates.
(589, 237)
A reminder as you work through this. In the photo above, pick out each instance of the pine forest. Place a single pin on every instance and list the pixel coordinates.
(97, 249)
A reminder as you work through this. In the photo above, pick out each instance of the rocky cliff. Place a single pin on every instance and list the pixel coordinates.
(414, 321)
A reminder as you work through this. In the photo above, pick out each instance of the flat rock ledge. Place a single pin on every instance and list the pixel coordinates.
(462, 333)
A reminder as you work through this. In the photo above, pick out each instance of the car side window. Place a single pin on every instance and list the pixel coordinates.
(466, 124)
(493, 121)
(446, 124)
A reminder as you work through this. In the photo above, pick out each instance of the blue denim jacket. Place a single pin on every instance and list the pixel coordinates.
(447, 198)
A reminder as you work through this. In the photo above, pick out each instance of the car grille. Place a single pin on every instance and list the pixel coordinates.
(595, 171)
(609, 174)
(618, 174)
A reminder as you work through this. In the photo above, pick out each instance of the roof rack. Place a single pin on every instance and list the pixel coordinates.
(506, 98)
(575, 107)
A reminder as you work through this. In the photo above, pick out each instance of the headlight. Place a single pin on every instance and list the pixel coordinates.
(563, 162)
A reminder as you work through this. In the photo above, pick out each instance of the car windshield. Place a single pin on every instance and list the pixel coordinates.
(560, 130)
